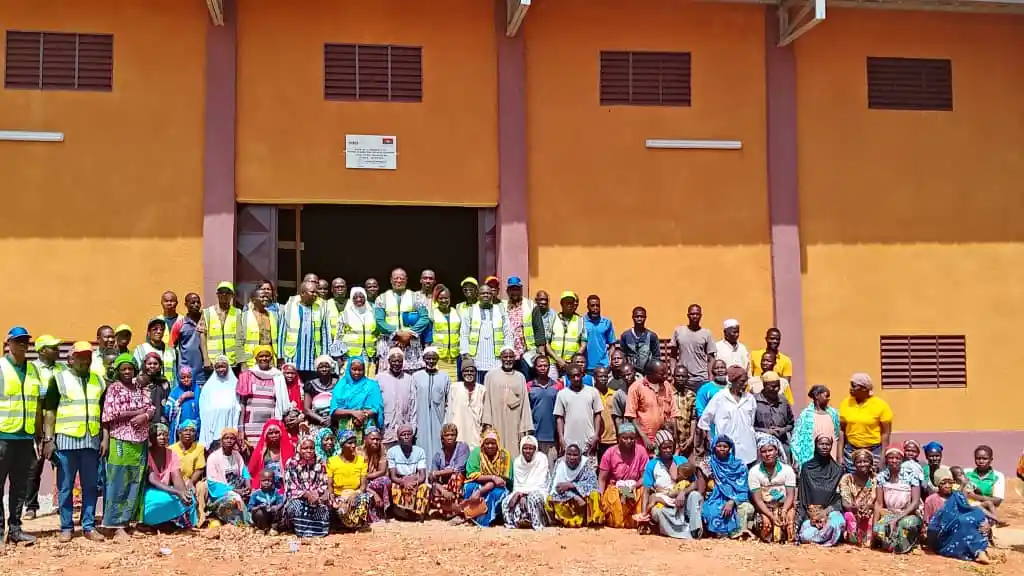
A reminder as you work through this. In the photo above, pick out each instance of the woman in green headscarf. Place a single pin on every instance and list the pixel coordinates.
(127, 413)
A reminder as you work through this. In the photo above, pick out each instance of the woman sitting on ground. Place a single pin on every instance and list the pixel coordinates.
(911, 453)
(772, 487)
(192, 465)
(857, 491)
(933, 461)
(727, 509)
(356, 402)
(347, 474)
(573, 499)
(488, 473)
(897, 523)
(449, 474)
(166, 500)
(989, 484)
(619, 479)
(407, 467)
(673, 492)
(955, 529)
(307, 498)
(377, 478)
(819, 509)
(227, 481)
(272, 452)
(524, 506)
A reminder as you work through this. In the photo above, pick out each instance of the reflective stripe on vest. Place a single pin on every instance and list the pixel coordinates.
(46, 373)
(168, 359)
(333, 316)
(528, 307)
(252, 336)
(291, 335)
(359, 338)
(446, 333)
(497, 327)
(221, 339)
(565, 337)
(393, 307)
(18, 399)
(79, 408)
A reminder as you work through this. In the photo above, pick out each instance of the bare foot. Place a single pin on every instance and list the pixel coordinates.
(983, 558)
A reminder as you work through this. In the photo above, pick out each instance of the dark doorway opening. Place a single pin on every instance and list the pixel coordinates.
(360, 242)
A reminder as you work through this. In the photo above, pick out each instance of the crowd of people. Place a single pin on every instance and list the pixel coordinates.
(339, 409)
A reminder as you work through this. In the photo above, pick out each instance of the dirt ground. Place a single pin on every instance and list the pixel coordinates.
(436, 548)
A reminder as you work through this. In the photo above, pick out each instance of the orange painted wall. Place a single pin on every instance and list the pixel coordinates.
(291, 142)
(96, 227)
(662, 228)
(911, 220)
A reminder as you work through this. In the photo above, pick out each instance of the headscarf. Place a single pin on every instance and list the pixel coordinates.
(625, 427)
(530, 476)
(431, 350)
(358, 315)
(282, 397)
(943, 473)
(662, 436)
(764, 439)
(730, 476)
(862, 379)
(896, 449)
(582, 476)
(125, 359)
(295, 393)
(178, 409)
(299, 458)
(396, 352)
(218, 405)
(159, 359)
(321, 455)
(861, 452)
(261, 349)
(158, 427)
(228, 431)
(186, 424)
(344, 435)
(481, 465)
(912, 443)
(185, 371)
(819, 480)
(324, 359)
(362, 394)
(222, 359)
(932, 446)
(258, 457)
(733, 373)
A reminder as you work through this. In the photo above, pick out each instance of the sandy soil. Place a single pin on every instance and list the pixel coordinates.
(436, 548)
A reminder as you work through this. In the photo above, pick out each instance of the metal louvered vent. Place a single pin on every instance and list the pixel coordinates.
(910, 84)
(373, 73)
(59, 61)
(645, 78)
(923, 361)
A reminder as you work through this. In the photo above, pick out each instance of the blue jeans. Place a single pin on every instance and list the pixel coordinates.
(83, 463)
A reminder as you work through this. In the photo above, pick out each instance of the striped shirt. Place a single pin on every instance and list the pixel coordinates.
(309, 344)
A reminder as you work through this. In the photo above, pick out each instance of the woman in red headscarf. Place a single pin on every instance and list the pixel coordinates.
(272, 452)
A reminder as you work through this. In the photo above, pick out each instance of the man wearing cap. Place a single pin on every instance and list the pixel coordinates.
(471, 292)
(19, 423)
(155, 344)
(495, 285)
(303, 335)
(72, 432)
(484, 333)
(543, 319)
(224, 328)
(123, 338)
(568, 333)
(519, 312)
(730, 349)
(48, 349)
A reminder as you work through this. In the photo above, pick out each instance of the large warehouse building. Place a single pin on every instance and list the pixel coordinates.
(851, 177)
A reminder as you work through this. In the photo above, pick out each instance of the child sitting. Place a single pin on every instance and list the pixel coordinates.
(963, 484)
(266, 503)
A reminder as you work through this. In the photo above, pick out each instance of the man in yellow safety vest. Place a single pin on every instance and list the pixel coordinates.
(19, 416)
(48, 349)
(259, 328)
(224, 328)
(568, 332)
(72, 432)
(402, 317)
(302, 334)
(484, 333)
(336, 305)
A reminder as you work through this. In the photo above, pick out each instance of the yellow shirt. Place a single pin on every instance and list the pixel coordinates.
(863, 422)
(191, 460)
(609, 425)
(783, 367)
(346, 475)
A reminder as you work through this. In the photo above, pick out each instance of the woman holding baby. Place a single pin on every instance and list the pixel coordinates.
(673, 489)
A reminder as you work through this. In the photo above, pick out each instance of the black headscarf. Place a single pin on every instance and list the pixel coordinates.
(819, 483)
